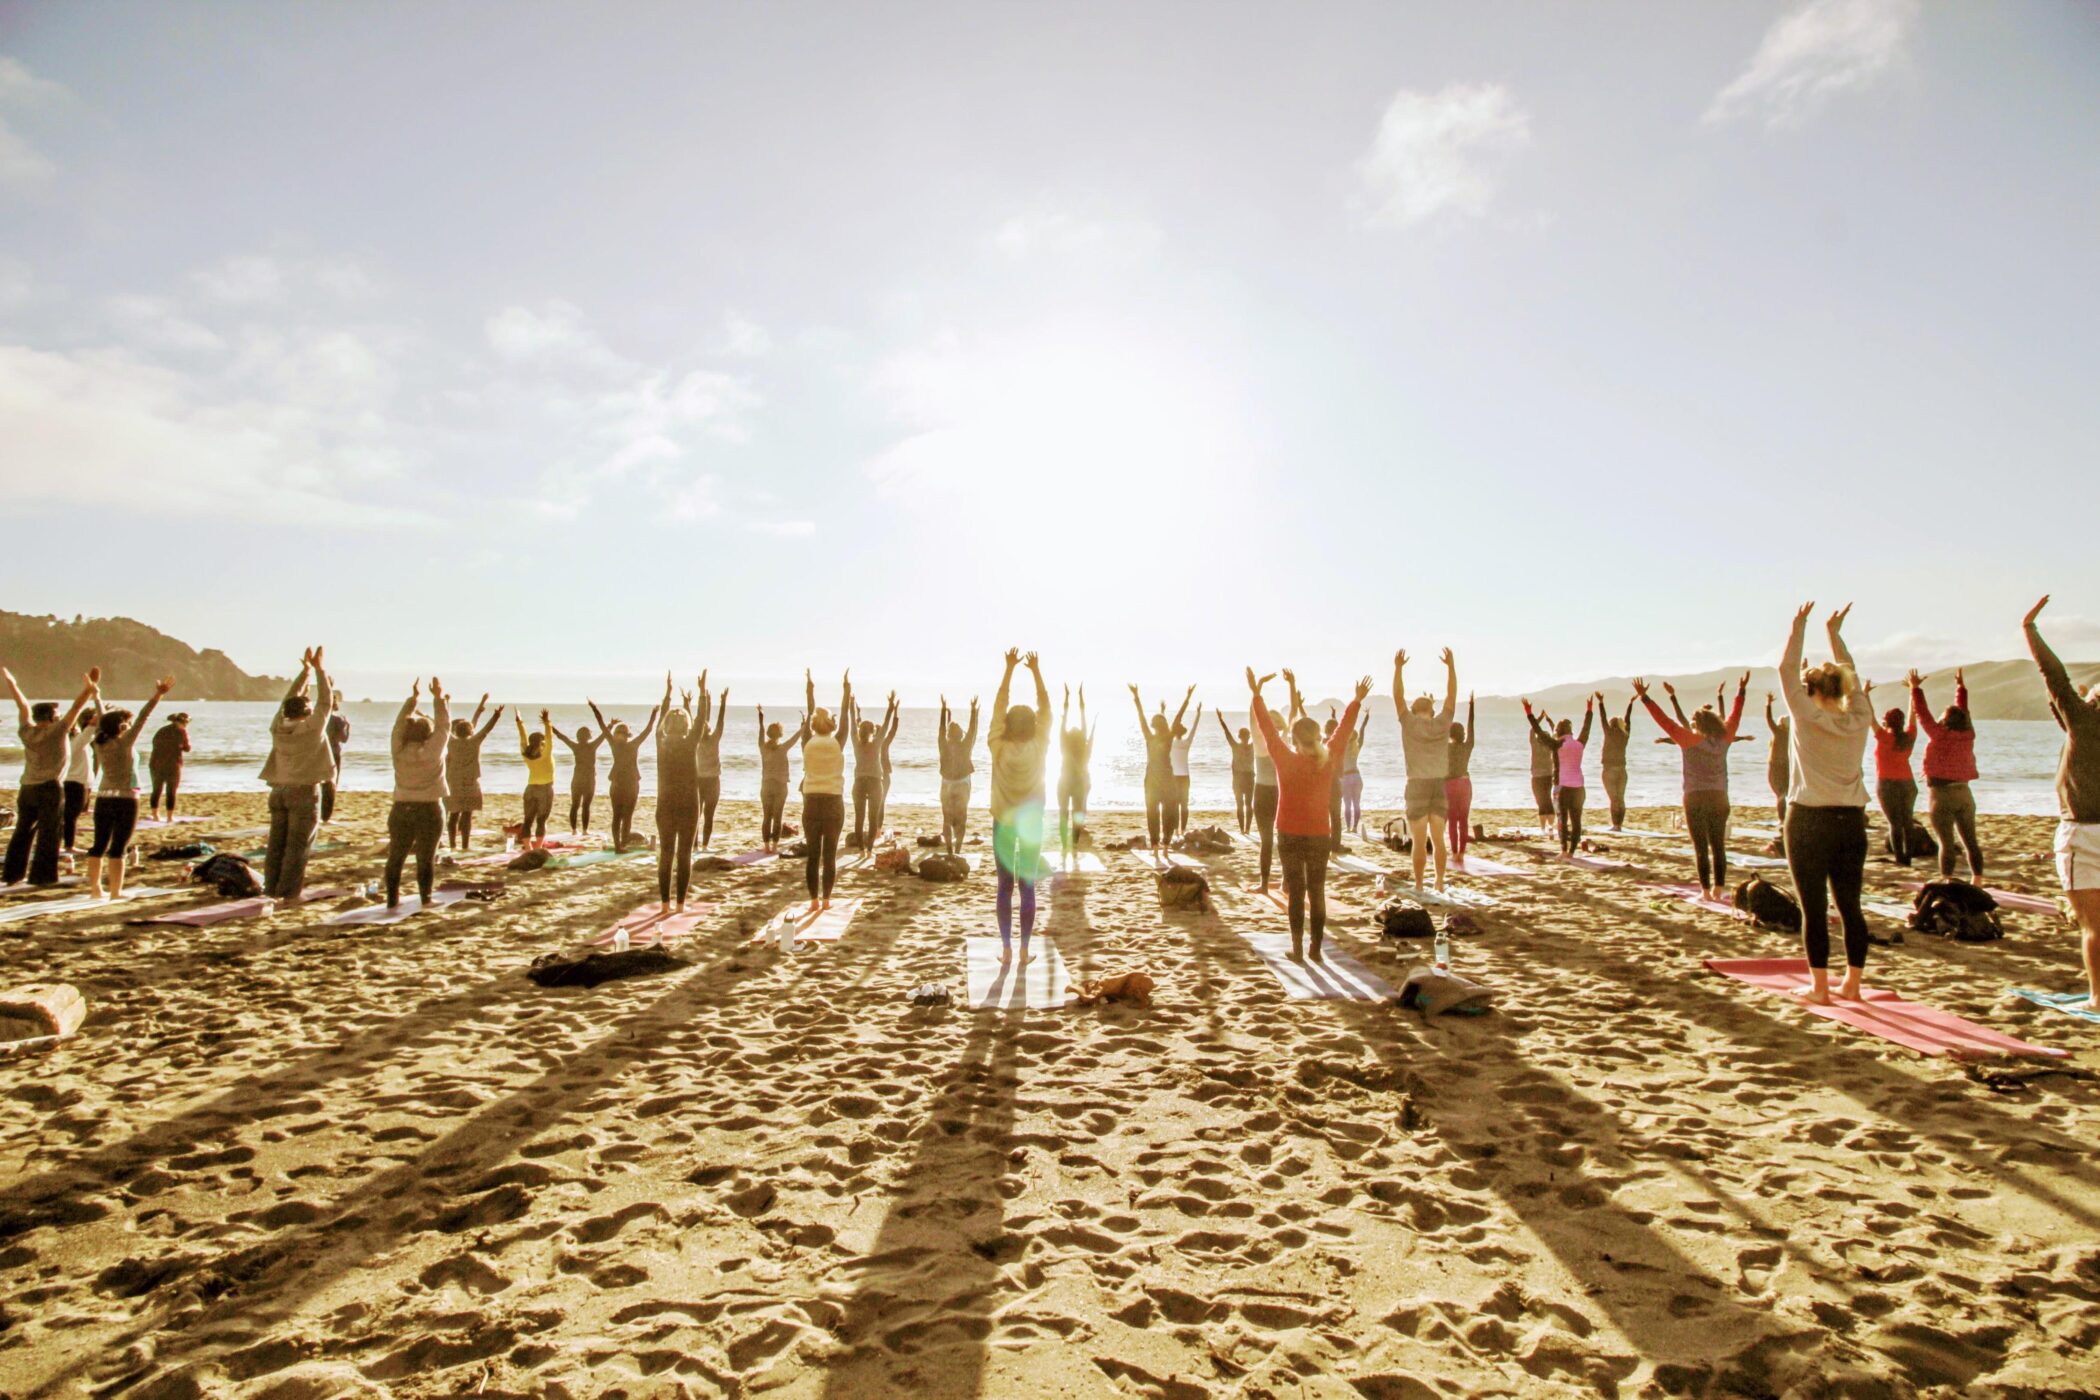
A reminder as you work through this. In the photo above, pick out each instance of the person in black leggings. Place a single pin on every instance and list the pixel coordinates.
(1826, 823)
(677, 802)
(823, 792)
(1242, 772)
(1895, 788)
(625, 783)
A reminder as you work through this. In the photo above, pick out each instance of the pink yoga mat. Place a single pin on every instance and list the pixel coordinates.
(1690, 895)
(1596, 862)
(2011, 899)
(237, 909)
(1493, 869)
(647, 925)
(1883, 1013)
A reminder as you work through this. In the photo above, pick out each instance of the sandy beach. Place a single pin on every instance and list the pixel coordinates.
(290, 1159)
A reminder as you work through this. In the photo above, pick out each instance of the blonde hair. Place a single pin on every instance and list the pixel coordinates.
(1831, 684)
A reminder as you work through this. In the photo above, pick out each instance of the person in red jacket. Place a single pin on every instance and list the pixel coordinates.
(1894, 786)
(1305, 769)
(1950, 766)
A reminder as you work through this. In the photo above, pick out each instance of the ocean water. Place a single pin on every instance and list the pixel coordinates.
(229, 741)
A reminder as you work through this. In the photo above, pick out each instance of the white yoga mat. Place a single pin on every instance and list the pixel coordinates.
(1337, 977)
(1040, 985)
(410, 906)
(1748, 861)
(1355, 865)
(1450, 897)
(794, 925)
(1081, 863)
(19, 913)
(1638, 833)
(1492, 869)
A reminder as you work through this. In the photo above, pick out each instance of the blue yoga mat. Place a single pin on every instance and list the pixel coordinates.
(2070, 1003)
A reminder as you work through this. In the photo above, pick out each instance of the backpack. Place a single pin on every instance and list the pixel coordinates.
(1205, 840)
(1958, 910)
(528, 860)
(943, 869)
(195, 850)
(893, 860)
(229, 875)
(1398, 837)
(712, 864)
(1768, 906)
(1403, 918)
(1921, 842)
(554, 970)
(1181, 888)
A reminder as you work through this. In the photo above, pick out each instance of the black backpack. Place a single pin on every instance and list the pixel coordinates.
(1921, 842)
(229, 875)
(1768, 906)
(1401, 918)
(1398, 837)
(1958, 910)
(943, 869)
(533, 858)
(194, 850)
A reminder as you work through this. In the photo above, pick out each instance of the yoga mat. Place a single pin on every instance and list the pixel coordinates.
(1355, 865)
(1899, 912)
(1642, 833)
(1492, 869)
(1152, 859)
(21, 913)
(2070, 1003)
(1769, 831)
(1690, 895)
(1040, 985)
(1595, 862)
(156, 822)
(451, 892)
(582, 858)
(24, 887)
(1444, 899)
(826, 927)
(755, 857)
(1883, 1013)
(1082, 863)
(318, 848)
(210, 914)
(2011, 899)
(1337, 977)
(1748, 862)
(648, 924)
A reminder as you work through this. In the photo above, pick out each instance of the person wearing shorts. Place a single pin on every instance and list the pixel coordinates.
(2077, 797)
(955, 743)
(1425, 748)
(1545, 762)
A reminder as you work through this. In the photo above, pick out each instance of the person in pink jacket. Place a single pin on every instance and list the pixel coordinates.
(1950, 766)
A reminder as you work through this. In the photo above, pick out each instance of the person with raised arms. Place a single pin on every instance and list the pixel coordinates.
(1425, 749)
(1950, 766)
(1158, 733)
(117, 791)
(297, 766)
(774, 745)
(624, 783)
(1568, 790)
(1019, 740)
(955, 745)
(1305, 769)
(463, 774)
(1458, 785)
(1545, 762)
(823, 791)
(1074, 776)
(1779, 762)
(1242, 772)
(1829, 726)
(80, 772)
(1178, 747)
(1267, 797)
(1705, 745)
(707, 759)
(583, 771)
(867, 738)
(2077, 795)
(1611, 761)
(537, 749)
(677, 801)
(34, 844)
(415, 822)
(1895, 789)
(1353, 779)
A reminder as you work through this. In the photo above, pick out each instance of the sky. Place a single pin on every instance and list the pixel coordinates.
(531, 341)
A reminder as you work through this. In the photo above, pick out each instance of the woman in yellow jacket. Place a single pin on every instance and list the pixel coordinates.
(538, 750)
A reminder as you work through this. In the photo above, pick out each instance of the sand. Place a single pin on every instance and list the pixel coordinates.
(289, 1159)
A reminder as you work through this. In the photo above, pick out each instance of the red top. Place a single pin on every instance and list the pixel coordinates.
(1302, 779)
(1950, 754)
(1892, 754)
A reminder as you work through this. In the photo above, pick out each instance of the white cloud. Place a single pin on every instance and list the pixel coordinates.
(1055, 234)
(22, 166)
(1813, 53)
(243, 280)
(1438, 155)
(785, 529)
(743, 338)
(102, 428)
(157, 323)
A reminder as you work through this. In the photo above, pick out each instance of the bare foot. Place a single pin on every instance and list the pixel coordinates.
(815, 906)
(1814, 996)
(1006, 955)
(1849, 989)
(1025, 955)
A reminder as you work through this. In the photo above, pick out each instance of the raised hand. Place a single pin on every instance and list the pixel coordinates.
(1867, 687)
(1400, 657)
(1134, 689)
(1837, 619)
(2035, 612)
(1447, 658)
(1363, 688)
(163, 685)
(435, 689)
(1266, 679)
(1801, 614)
(1669, 689)
(1640, 686)
(317, 658)
(1744, 683)
(1915, 679)
(1013, 657)
(1034, 663)
(1254, 683)
(1959, 677)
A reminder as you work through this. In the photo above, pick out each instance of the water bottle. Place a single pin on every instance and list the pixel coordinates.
(1443, 951)
(621, 940)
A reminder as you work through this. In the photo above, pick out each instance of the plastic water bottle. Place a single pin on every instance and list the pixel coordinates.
(621, 940)
(1443, 951)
